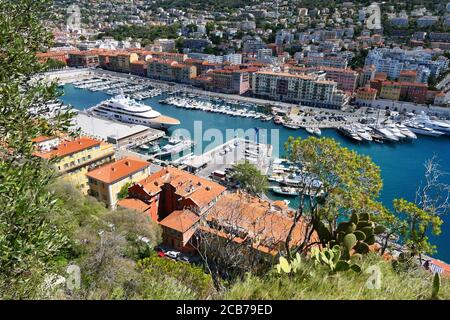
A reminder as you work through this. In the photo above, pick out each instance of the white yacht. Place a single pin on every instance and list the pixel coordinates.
(408, 133)
(285, 191)
(175, 146)
(385, 133)
(422, 129)
(128, 110)
(350, 132)
(360, 131)
(395, 131)
(441, 126)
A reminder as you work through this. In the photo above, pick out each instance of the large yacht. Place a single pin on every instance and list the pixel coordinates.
(422, 129)
(124, 109)
(425, 120)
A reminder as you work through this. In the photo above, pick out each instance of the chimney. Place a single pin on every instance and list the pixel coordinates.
(113, 169)
(127, 163)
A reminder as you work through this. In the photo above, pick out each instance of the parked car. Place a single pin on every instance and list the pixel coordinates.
(189, 258)
(183, 258)
(172, 254)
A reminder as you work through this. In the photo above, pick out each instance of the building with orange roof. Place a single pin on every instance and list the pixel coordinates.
(407, 76)
(345, 78)
(178, 229)
(231, 80)
(83, 59)
(139, 68)
(170, 70)
(106, 182)
(365, 95)
(172, 189)
(61, 56)
(264, 225)
(72, 159)
(122, 61)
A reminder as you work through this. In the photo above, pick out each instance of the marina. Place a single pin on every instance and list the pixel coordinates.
(400, 171)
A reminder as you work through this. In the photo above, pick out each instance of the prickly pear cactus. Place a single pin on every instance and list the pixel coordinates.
(358, 233)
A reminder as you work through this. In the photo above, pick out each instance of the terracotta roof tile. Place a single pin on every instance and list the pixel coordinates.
(118, 170)
(69, 147)
(199, 190)
(181, 220)
(133, 204)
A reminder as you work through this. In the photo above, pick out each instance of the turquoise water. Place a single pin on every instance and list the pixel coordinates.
(402, 164)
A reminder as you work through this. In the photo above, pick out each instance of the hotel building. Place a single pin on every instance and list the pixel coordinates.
(74, 158)
(106, 182)
(308, 89)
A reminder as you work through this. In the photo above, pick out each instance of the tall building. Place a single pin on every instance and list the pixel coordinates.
(122, 61)
(171, 71)
(253, 45)
(308, 89)
(73, 158)
(231, 81)
(83, 59)
(393, 61)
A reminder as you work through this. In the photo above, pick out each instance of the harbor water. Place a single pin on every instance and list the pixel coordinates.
(402, 164)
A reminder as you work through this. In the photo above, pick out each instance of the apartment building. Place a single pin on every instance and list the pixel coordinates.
(405, 91)
(308, 89)
(390, 90)
(74, 158)
(326, 61)
(231, 81)
(83, 59)
(407, 76)
(106, 182)
(121, 62)
(393, 61)
(346, 79)
(365, 95)
(367, 74)
(170, 71)
(139, 68)
(61, 56)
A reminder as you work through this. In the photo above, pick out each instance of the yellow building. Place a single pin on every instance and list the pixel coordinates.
(73, 158)
(122, 61)
(106, 182)
(390, 90)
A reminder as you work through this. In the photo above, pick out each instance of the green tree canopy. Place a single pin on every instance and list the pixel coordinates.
(28, 241)
(250, 178)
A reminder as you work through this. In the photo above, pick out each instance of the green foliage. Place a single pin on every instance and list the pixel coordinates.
(250, 178)
(123, 193)
(288, 267)
(350, 185)
(419, 222)
(147, 33)
(436, 286)
(30, 244)
(199, 283)
(333, 259)
(357, 234)
(314, 281)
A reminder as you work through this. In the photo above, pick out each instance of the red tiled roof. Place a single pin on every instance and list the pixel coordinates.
(181, 220)
(118, 170)
(133, 204)
(42, 139)
(69, 147)
(199, 190)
